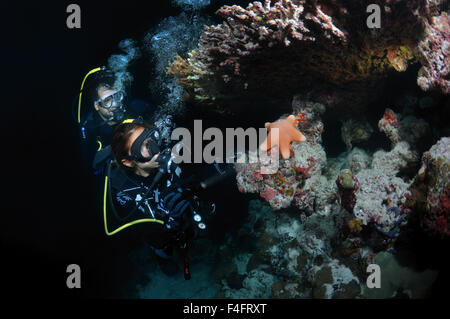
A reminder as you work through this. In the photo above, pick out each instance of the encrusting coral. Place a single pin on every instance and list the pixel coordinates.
(382, 197)
(434, 54)
(432, 187)
(277, 48)
(410, 128)
(300, 172)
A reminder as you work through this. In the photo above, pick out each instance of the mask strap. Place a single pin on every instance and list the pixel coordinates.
(137, 146)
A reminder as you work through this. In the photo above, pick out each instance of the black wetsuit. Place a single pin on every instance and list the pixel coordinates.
(95, 130)
(167, 201)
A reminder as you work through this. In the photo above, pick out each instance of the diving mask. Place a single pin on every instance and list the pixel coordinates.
(112, 100)
(113, 103)
(147, 139)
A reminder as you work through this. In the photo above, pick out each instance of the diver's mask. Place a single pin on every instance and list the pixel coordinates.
(147, 139)
(113, 103)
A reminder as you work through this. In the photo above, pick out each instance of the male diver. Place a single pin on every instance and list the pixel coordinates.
(106, 110)
(146, 190)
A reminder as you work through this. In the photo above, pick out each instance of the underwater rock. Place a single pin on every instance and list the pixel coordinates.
(435, 175)
(289, 182)
(255, 261)
(234, 280)
(433, 52)
(334, 280)
(309, 117)
(302, 261)
(299, 178)
(345, 179)
(357, 160)
(351, 290)
(409, 129)
(258, 284)
(413, 130)
(355, 132)
(271, 49)
(395, 276)
(389, 125)
(347, 186)
(323, 276)
(382, 195)
(278, 290)
(299, 256)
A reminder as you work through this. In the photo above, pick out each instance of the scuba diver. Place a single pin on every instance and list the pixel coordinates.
(145, 189)
(106, 110)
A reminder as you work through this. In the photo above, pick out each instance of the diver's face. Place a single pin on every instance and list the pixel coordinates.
(105, 113)
(146, 166)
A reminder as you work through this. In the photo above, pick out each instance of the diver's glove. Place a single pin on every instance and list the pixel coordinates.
(176, 207)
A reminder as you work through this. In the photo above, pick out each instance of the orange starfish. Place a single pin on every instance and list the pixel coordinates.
(287, 133)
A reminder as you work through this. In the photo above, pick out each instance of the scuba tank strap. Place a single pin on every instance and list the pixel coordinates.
(138, 120)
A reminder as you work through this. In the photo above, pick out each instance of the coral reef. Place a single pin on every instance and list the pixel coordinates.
(298, 178)
(276, 48)
(357, 160)
(435, 175)
(318, 221)
(434, 54)
(382, 195)
(293, 258)
(409, 129)
(389, 125)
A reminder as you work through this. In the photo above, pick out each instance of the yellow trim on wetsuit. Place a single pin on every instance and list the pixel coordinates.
(127, 121)
(145, 220)
(81, 91)
(100, 145)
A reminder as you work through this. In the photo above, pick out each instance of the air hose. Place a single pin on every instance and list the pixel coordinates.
(139, 221)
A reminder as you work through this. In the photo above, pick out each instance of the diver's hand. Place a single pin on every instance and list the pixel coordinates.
(151, 163)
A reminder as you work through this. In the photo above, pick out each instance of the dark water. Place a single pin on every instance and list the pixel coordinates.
(52, 217)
